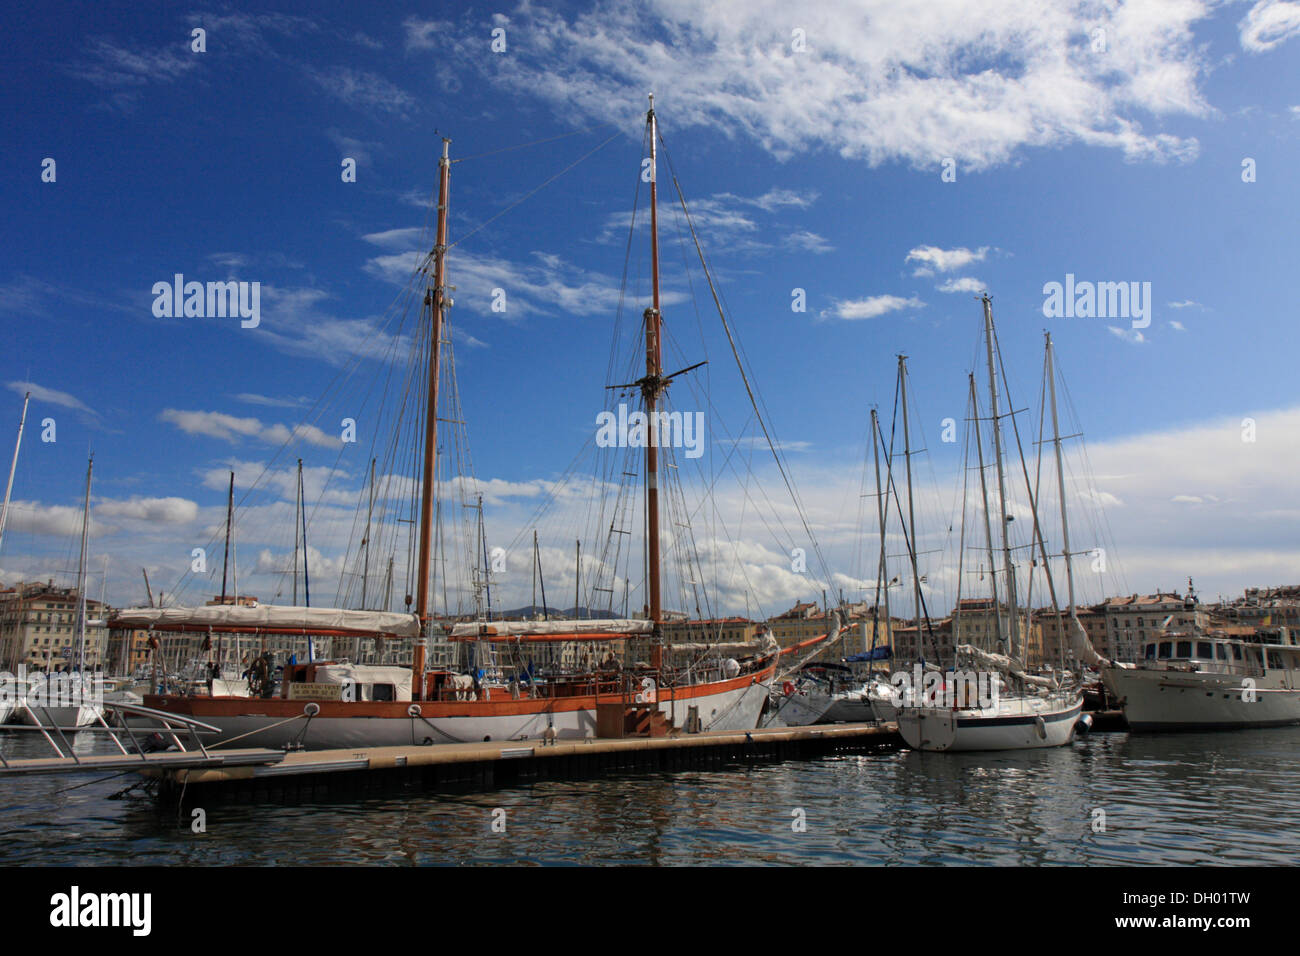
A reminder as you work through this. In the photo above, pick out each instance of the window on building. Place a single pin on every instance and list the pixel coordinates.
(1166, 650)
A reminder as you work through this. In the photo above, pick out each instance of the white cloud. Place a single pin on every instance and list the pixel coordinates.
(808, 242)
(362, 89)
(42, 394)
(252, 398)
(932, 258)
(1177, 326)
(231, 428)
(870, 307)
(153, 510)
(1185, 304)
(545, 286)
(350, 147)
(1269, 23)
(976, 80)
(964, 284)
(1128, 335)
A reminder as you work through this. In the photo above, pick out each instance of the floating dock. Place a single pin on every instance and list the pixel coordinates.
(319, 774)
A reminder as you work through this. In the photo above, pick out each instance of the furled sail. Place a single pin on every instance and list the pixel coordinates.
(540, 629)
(1001, 662)
(1082, 646)
(267, 617)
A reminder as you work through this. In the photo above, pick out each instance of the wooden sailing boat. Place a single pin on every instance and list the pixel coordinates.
(323, 705)
(1023, 710)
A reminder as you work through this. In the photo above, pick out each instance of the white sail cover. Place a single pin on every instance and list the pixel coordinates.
(1000, 662)
(539, 628)
(764, 645)
(267, 616)
(1082, 646)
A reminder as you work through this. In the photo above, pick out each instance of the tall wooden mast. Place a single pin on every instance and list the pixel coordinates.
(651, 388)
(435, 298)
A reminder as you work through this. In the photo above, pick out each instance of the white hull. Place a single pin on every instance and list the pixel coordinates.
(1021, 723)
(849, 707)
(6, 711)
(736, 709)
(1175, 700)
(82, 715)
(801, 708)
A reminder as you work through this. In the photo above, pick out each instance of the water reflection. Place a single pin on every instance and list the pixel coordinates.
(1181, 799)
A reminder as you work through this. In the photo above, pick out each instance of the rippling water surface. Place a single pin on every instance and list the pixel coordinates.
(1167, 799)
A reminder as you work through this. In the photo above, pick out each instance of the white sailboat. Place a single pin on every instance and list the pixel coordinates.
(1022, 711)
(77, 700)
(9, 690)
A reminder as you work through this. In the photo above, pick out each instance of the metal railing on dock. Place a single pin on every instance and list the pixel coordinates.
(163, 745)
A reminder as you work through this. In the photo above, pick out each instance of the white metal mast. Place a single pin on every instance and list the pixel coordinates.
(1008, 568)
(81, 572)
(911, 512)
(13, 466)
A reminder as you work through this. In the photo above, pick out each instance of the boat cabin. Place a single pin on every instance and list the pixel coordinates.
(354, 683)
(1216, 654)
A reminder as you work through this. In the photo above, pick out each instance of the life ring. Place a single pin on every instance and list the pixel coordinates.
(787, 688)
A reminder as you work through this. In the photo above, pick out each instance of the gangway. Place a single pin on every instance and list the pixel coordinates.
(163, 747)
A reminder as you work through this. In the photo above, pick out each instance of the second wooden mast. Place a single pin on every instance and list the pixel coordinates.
(652, 387)
(436, 299)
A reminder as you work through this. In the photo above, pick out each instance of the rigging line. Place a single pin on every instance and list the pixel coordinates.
(745, 378)
(536, 142)
(534, 192)
(345, 372)
(1036, 533)
(923, 611)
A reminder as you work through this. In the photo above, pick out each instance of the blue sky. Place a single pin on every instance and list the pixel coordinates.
(1104, 141)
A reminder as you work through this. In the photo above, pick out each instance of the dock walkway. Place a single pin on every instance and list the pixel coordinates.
(491, 764)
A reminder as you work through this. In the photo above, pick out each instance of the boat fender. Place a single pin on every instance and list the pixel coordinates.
(787, 688)
(1083, 725)
(312, 709)
(414, 711)
(1040, 725)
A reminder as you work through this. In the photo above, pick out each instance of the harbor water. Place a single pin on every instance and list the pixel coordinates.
(1108, 799)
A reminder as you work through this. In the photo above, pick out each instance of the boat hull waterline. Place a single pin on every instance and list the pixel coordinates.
(1155, 700)
(1034, 725)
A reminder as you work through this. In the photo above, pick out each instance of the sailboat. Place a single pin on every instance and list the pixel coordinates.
(8, 684)
(1017, 710)
(339, 704)
(72, 700)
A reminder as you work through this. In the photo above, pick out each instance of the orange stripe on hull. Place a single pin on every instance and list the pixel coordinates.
(205, 707)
